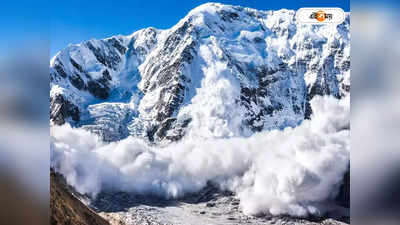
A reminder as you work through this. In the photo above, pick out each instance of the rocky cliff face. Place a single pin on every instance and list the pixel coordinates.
(222, 71)
(66, 208)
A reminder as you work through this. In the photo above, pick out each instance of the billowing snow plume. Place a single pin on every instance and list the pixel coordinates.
(286, 171)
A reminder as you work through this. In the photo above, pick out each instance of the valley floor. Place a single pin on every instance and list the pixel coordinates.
(208, 207)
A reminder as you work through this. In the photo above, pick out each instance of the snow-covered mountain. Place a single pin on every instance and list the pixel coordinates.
(222, 71)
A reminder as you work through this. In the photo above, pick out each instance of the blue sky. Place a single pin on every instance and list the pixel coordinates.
(75, 21)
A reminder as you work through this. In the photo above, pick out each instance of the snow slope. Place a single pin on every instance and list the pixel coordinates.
(222, 71)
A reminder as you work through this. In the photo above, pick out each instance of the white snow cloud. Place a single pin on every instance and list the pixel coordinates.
(279, 172)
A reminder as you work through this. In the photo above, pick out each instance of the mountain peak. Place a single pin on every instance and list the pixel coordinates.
(210, 8)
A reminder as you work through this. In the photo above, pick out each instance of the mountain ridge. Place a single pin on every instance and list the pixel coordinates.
(259, 68)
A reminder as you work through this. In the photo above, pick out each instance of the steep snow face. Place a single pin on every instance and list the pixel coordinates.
(222, 71)
(94, 84)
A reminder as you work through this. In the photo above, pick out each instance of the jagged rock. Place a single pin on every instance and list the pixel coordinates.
(77, 81)
(98, 89)
(76, 65)
(66, 208)
(61, 109)
(108, 58)
(60, 69)
(116, 44)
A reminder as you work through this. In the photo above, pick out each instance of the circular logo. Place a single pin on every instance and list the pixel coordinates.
(320, 16)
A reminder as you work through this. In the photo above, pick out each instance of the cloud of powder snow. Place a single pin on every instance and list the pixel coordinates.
(286, 171)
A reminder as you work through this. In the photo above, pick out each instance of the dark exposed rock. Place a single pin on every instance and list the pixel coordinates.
(66, 208)
(228, 16)
(77, 81)
(170, 78)
(296, 109)
(106, 75)
(258, 40)
(60, 69)
(76, 65)
(166, 108)
(345, 65)
(110, 60)
(164, 127)
(210, 204)
(178, 128)
(174, 39)
(319, 88)
(150, 133)
(308, 109)
(60, 109)
(186, 55)
(253, 98)
(346, 87)
(98, 89)
(116, 44)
